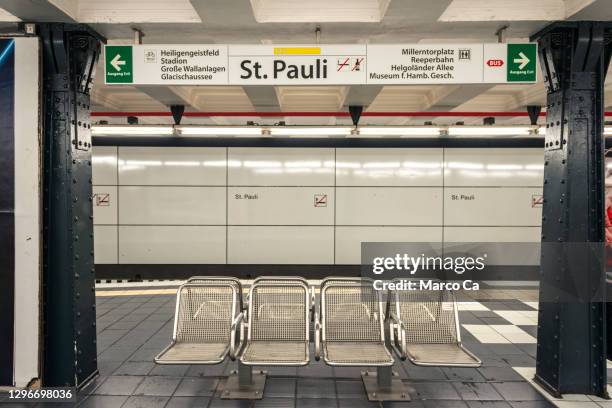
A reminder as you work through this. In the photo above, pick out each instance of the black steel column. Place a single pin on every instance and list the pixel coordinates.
(70, 55)
(571, 353)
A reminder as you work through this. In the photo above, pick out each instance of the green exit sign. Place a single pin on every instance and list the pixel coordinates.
(521, 63)
(118, 65)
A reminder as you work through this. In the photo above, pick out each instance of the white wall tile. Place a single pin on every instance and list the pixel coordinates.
(105, 244)
(254, 166)
(281, 245)
(388, 167)
(104, 204)
(494, 167)
(172, 205)
(492, 234)
(104, 165)
(503, 245)
(281, 205)
(180, 166)
(172, 244)
(388, 206)
(495, 206)
(349, 239)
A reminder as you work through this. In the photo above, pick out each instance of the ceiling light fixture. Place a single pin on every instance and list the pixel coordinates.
(220, 131)
(311, 131)
(132, 130)
(400, 131)
(490, 131)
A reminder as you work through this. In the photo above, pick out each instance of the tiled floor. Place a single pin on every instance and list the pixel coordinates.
(134, 327)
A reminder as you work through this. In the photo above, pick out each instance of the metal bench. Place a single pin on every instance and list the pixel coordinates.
(424, 327)
(205, 310)
(350, 332)
(277, 325)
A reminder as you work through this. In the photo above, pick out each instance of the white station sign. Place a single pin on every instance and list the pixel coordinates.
(297, 65)
(384, 64)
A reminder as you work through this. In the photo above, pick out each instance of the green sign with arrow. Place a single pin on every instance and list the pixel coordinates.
(521, 62)
(118, 64)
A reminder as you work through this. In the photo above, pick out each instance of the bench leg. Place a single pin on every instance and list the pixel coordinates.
(384, 385)
(244, 383)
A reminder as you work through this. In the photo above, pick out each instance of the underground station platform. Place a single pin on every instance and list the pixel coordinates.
(271, 203)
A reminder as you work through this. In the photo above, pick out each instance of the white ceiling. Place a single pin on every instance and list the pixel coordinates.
(294, 21)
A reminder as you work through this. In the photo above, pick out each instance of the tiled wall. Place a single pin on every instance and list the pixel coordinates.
(174, 205)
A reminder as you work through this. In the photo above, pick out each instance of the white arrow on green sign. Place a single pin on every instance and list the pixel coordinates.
(118, 64)
(521, 62)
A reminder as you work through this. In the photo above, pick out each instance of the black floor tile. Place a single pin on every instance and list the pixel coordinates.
(434, 391)
(348, 372)
(357, 403)
(517, 391)
(107, 368)
(134, 368)
(103, 401)
(493, 320)
(171, 370)
(423, 373)
(144, 354)
(470, 391)
(275, 403)
(400, 404)
(188, 402)
(462, 374)
(316, 403)
(488, 404)
(505, 349)
(192, 387)
(315, 388)
(518, 360)
(531, 404)
(500, 374)
(145, 402)
(119, 385)
(533, 330)
(280, 387)
(158, 386)
(350, 389)
(444, 404)
(219, 403)
(116, 353)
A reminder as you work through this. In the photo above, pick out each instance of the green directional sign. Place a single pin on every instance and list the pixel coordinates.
(118, 64)
(521, 62)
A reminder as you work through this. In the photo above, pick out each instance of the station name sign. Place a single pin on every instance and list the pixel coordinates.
(382, 64)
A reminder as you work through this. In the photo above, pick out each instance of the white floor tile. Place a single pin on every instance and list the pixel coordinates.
(514, 334)
(519, 317)
(472, 306)
(486, 334)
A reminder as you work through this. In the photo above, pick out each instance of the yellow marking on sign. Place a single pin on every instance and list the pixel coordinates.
(297, 51)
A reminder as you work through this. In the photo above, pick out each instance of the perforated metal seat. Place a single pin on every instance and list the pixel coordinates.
(351, 328)
(425, 329)
(278, 323)
(205, 309)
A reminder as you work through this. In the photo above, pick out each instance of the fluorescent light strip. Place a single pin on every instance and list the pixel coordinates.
(311, 131)
(132, 130)
(220, 131)
(489, 131)
(399, 131)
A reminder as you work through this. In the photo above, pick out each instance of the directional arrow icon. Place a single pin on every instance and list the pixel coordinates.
(117, 62)
(523, 60)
